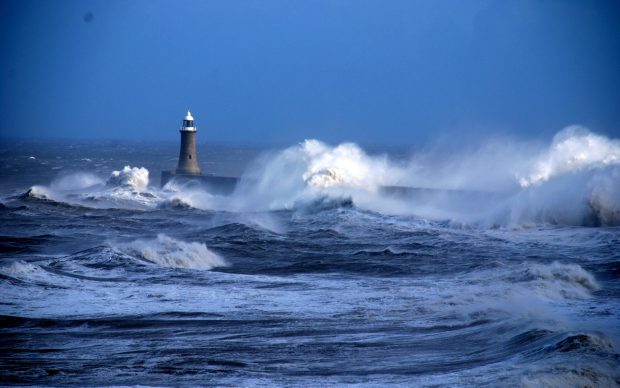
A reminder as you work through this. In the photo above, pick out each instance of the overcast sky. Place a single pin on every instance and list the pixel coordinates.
(384, 71)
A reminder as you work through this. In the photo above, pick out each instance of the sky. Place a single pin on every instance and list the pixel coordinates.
(281, 71)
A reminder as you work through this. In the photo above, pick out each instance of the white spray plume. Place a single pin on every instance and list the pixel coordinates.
(310, 170)
(572, 181)
(136, 178)
(76, 181)
(574, 148)
(343, 165)
(127, 188)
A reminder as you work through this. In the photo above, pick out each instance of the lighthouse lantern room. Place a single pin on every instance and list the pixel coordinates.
(188, 122)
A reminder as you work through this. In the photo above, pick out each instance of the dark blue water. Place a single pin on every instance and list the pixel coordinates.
(118, 282)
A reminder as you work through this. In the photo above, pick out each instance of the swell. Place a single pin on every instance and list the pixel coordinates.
(371, 349)
(28, 244)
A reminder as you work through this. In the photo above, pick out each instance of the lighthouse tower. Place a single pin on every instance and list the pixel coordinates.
(188, 160)
(188, 171)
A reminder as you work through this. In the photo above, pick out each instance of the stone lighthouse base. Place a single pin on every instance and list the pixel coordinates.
(214, 184)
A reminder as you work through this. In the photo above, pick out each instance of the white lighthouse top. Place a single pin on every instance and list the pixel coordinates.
(188, 122)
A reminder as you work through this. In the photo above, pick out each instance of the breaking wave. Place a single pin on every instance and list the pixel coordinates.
(574, 148)
(561, 281)
(344, 165)
(573, 181)
(126, 188)
(135, 178)
(532, 290)
(38, 192)
(20, 267)
(310, 170)
(589, 198)
(169, 252)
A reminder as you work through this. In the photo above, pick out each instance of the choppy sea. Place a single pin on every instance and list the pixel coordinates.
(504, 270)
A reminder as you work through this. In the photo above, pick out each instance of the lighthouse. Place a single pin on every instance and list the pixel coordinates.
(188, 160)
(188, 172)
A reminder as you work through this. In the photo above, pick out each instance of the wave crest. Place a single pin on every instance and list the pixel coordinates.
(136, 178)
(169, 252)
(572, 149)
(38, 192)
(344, 165)
(568, 281)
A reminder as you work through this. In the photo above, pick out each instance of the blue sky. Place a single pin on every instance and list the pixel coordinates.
(374, 72)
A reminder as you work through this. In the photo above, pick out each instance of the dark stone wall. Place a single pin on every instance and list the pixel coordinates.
(221, 185)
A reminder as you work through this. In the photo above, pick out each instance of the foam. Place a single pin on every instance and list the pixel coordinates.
(566, 281)
(573, 181)
(169, 252)
(343, 165)
(572, 149)
(39, 192)
(543, 293)
(127, 188)
(593, 376)
(589, 198)
(310, 170)
(27, 272)
(20, 268)
(136, 178)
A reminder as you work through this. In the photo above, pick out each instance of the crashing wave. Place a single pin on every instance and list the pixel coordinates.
(586, 198)
(311, 170)
(127, 188)
(344, 165)
(326, 177)
(37, 192)
(574, 148)
(574, 182)
(169, 252)
(557, 280)
(136, 178)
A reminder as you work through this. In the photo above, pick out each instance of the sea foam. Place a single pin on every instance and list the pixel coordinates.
(169, 252)
(572, 149)
(136, 178)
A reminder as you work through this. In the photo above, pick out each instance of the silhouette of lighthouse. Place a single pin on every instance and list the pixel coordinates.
(188, 160)
(187, 170)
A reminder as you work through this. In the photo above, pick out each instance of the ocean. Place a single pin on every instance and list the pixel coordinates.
(501, 267)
